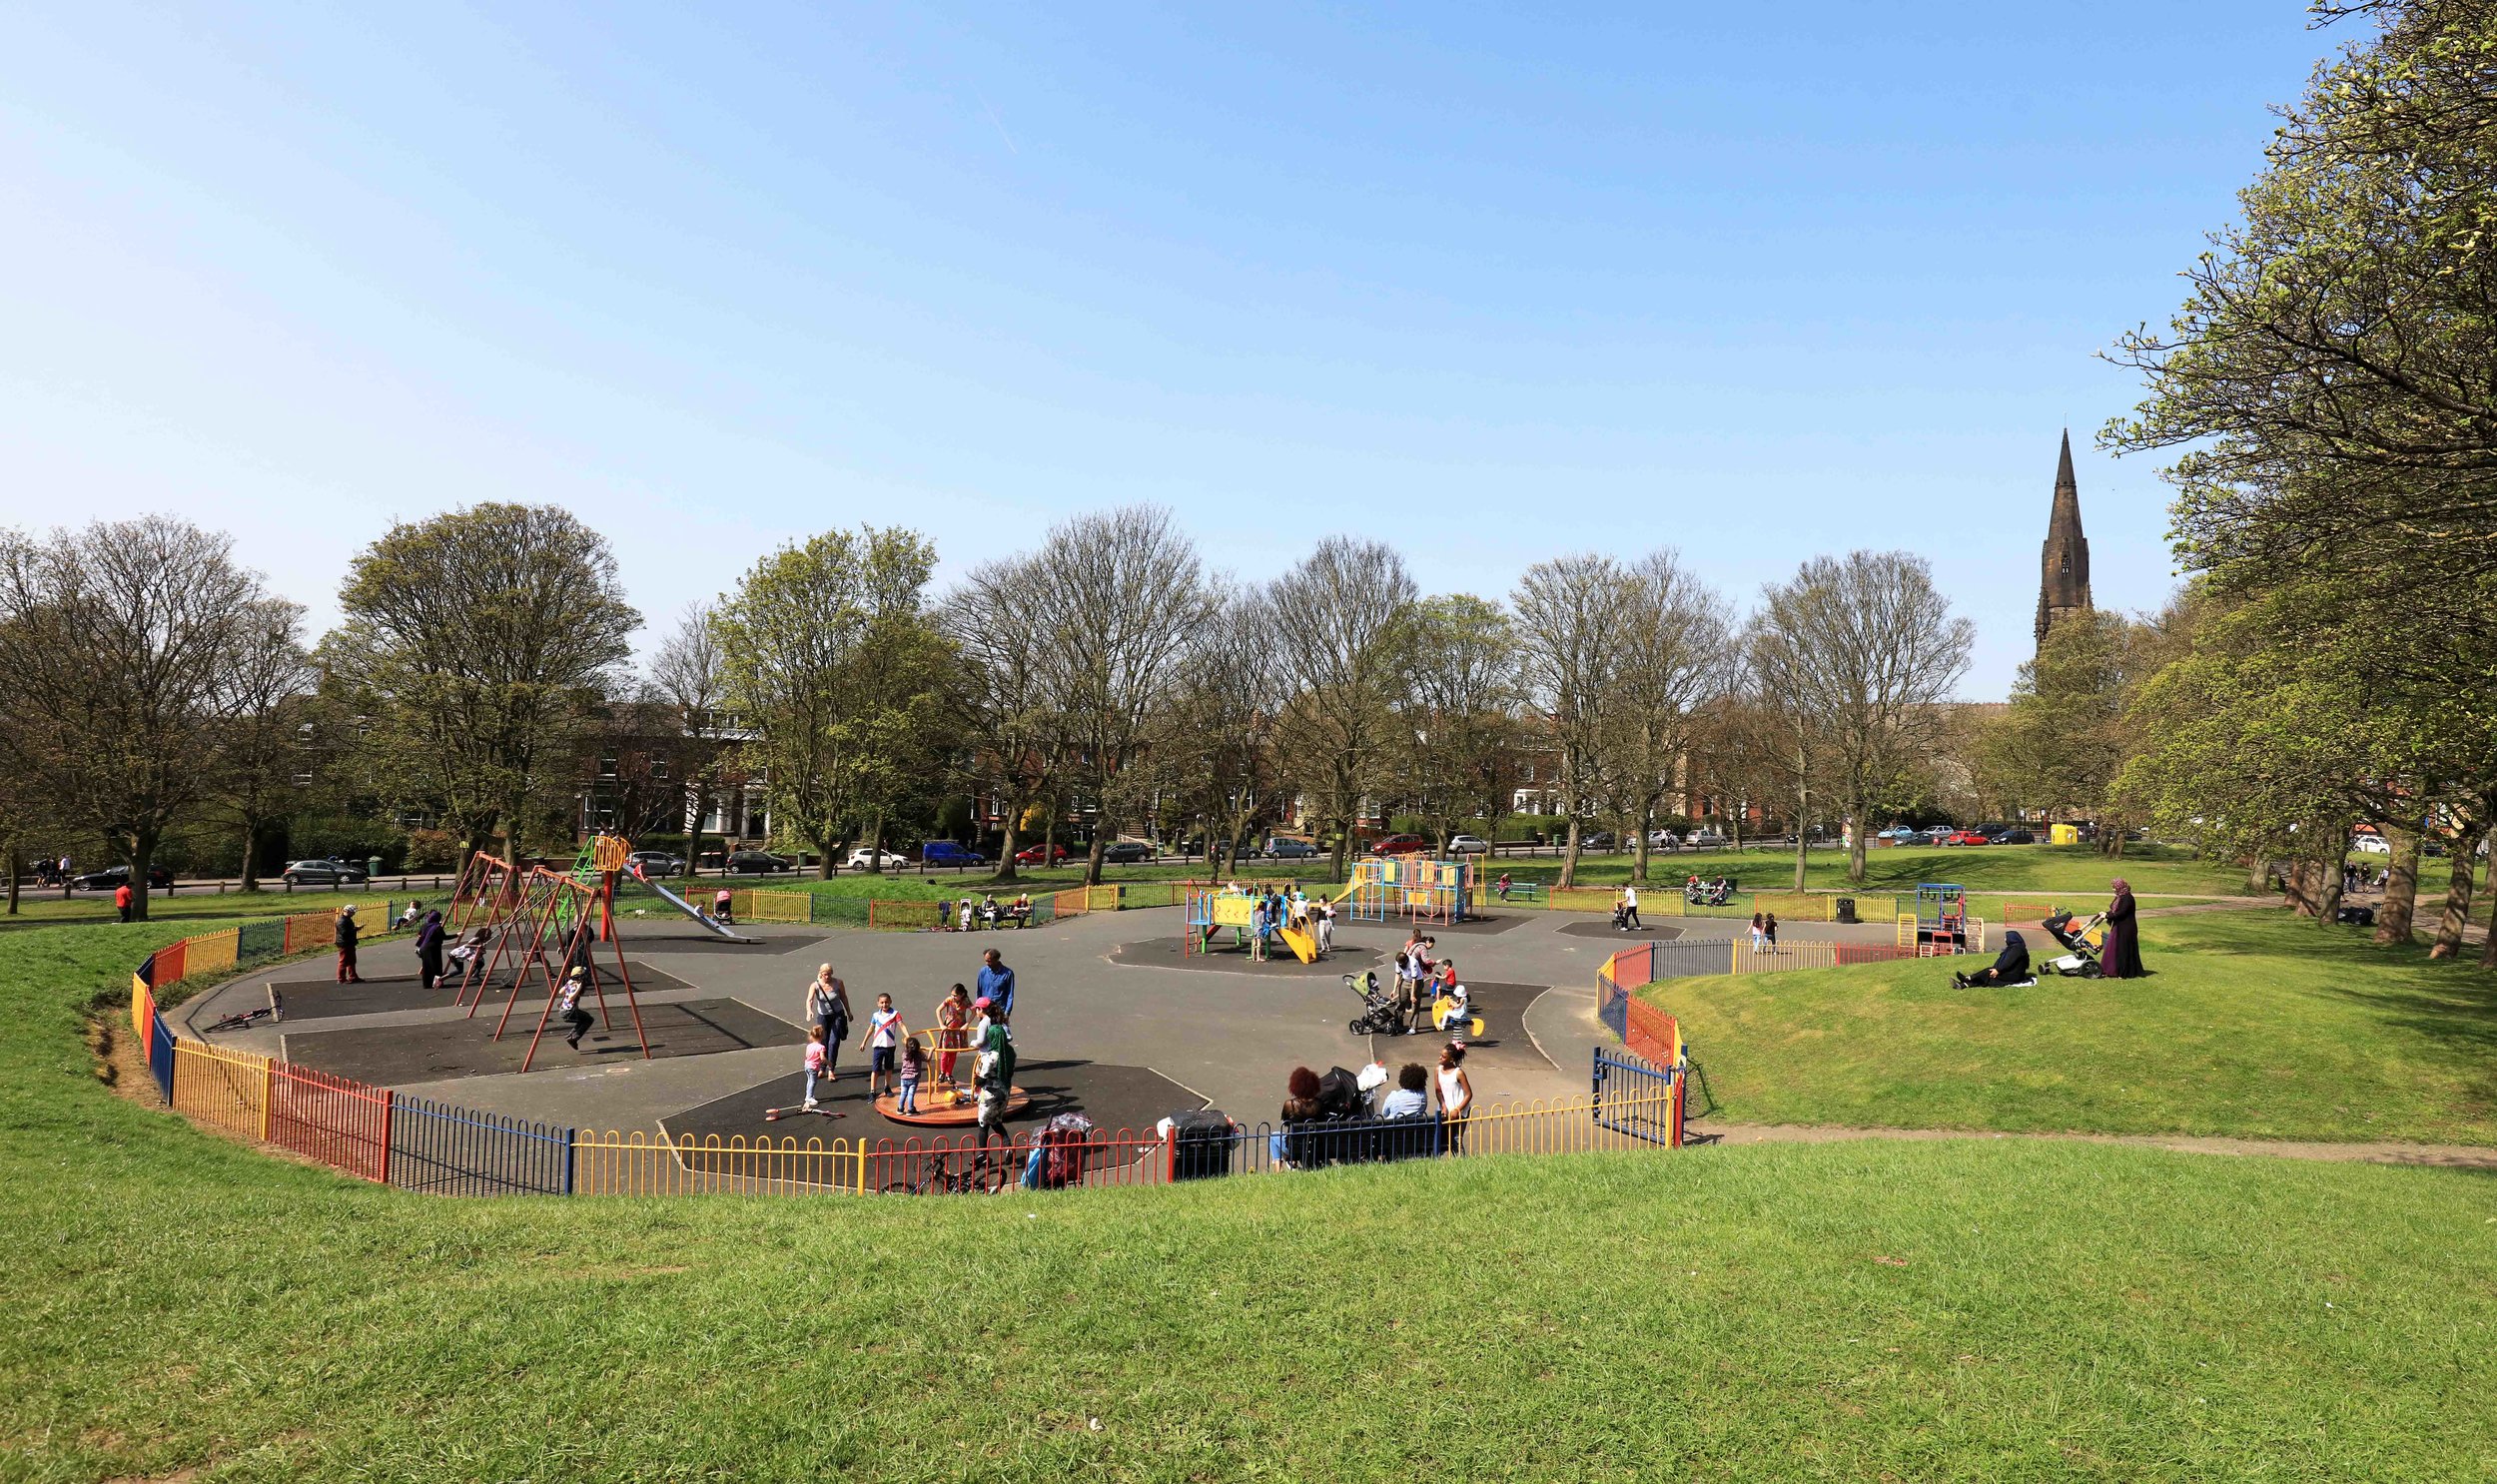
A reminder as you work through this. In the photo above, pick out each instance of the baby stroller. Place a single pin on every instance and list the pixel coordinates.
(1381, 1015)
(1057, 1154)
(2081, 944)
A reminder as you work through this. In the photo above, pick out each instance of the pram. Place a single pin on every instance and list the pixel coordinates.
(1059, 1153)
(1381, 1014)
(2081, 945)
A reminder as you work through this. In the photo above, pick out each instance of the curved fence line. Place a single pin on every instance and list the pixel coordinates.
(414, 1143)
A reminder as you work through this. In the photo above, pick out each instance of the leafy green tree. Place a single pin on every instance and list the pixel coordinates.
(831, 657)
(1460, 710)
(476, 647)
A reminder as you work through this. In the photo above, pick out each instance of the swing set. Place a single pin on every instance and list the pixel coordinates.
(556, 919)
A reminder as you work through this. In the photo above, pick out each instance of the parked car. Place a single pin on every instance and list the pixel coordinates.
(300, 873)
(1468, 845)
(1706, 840)
(1040, 855)
(2371, 845)
(1284, 848)
(1600, 840)
(2017, 835)
(1899, 831)
(159, 878)
(1398, 844)
(1127, 852)
(757, 862)
(1965, 837)
(657, 862)
(864, 858)
(950, 853)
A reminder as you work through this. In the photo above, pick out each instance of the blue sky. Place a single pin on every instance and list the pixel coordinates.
(1492, 284)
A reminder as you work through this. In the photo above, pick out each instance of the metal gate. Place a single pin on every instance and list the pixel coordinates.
(1637, 1098)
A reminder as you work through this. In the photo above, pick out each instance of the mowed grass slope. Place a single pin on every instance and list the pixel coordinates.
(1979, 1311)
(2252, 1023)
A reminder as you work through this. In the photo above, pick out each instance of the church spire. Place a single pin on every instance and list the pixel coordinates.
(2064, 563)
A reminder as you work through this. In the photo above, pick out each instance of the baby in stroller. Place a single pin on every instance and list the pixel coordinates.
(1381, 1012)
(2081, 944)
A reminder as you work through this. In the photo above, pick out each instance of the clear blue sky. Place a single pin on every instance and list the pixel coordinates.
(1756, 281)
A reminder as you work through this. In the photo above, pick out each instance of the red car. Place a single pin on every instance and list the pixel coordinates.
(1040, 855)
(1966, 837)
(1398, 844)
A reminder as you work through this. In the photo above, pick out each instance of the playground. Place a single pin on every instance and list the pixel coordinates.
(695, 1021)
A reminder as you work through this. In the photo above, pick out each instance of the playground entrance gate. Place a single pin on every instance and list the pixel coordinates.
(1623, 1081)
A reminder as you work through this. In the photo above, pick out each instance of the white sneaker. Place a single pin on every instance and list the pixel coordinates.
(809, 1103)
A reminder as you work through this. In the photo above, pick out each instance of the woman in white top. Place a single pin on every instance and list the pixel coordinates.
(1456, 1093)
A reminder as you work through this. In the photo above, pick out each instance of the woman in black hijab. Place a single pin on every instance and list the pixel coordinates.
(2010, 967)
(2121, 957)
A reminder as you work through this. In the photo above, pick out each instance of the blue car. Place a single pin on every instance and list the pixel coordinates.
(947, 852)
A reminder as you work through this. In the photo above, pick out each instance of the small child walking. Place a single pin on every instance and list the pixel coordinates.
(814, 1063)
(885, 1032)
(914, 1060)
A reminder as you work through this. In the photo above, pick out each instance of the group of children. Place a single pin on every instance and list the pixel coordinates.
(899, 1061)
(1277, 910)
(1764, 932)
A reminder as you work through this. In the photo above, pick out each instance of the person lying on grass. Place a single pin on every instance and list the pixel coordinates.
(2011, 967)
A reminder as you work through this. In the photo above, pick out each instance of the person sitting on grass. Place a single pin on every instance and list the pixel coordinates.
(2011, 967)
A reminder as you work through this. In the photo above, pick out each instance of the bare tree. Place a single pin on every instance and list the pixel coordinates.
(1119, 596)
(1461, 713)
(1566, 612)
(120, 651)
(1000, 696)
(259, 747)
(1865, 651)
(688, 689)
(1672, 655)
(1232, 697)
(1343, 617)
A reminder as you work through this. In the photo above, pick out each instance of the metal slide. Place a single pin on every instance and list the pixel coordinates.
(691, 911)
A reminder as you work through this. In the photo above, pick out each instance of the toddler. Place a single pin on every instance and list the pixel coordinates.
(913, 1056)
(814, 1061)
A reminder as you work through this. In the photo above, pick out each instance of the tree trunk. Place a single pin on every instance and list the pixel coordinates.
(17, 863)
(827, 859)
(1638, 867)
(875, 843)
(1855, 848)
(142, 857)
(1049, 839)
(2327, 888)
(2401, 891)
(2258, 875)
(1092, 858)
(2449, 922)
(1569, 856)
(693, 829)
(2488, 948)
(249, 875)
(1006, 846)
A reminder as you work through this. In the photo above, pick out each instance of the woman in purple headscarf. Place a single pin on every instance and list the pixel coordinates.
(2121, 957)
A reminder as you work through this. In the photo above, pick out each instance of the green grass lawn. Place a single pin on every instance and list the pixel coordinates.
(2068, 869)
(2251, 1023)
(1980, 1310)
(207, 910)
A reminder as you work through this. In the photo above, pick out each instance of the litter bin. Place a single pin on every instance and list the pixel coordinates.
(373, 867)
(1847, 909)
(1202, 1144)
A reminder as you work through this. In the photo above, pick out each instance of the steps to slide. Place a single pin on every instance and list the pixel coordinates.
(691, 911)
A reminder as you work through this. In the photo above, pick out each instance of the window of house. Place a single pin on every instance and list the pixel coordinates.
(606, 767)
(658, 766)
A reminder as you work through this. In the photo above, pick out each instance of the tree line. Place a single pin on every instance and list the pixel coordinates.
(485, 655)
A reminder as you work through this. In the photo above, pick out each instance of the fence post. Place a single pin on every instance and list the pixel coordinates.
(268, 1094)
(389, 1099)
(571, 1142)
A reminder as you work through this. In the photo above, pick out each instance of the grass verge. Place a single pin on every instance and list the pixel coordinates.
(2252, 1024)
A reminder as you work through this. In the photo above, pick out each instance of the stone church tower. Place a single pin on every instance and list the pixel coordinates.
(2063, 569)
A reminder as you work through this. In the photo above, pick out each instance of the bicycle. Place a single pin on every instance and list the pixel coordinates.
(939, 1178)
(272, 1013)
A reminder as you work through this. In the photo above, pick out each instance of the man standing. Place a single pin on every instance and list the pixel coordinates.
(344, 938)
(123, 896)
(996, 982)
(1630, 907)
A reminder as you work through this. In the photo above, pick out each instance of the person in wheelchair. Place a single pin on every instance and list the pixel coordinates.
(2011, 967)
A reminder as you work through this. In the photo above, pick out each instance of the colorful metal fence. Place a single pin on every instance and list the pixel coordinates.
(455, 1151)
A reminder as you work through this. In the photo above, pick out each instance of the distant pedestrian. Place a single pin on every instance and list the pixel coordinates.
(429, 949)
(345, 936)
(1502, 886)
(1769, 931)
(1759, 940)
(1630, 909)
(997, 981)
(122, 898)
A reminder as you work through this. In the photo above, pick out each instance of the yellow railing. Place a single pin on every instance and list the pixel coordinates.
(225, 1089)
(638, 1163)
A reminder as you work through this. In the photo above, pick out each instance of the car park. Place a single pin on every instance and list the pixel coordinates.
(657, 862)
(950, 853)
(314, 873)
(1040, 855)
(1127, 852)
(1468, 845)
(757, 862)
(159, 878)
